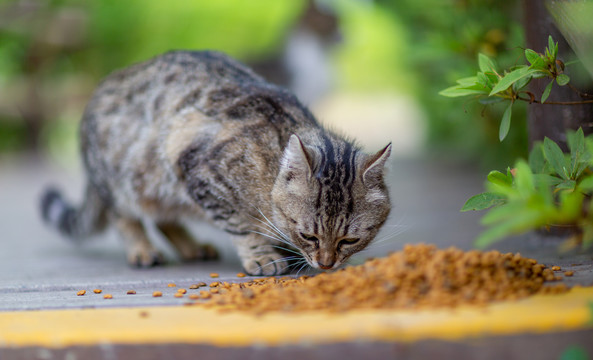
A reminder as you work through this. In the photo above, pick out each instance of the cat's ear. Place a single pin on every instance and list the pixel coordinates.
(297, 158)
(373, 169)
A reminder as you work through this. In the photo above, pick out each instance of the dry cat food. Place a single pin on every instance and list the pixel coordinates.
(97, 291)
(417, 276)
(131, 292)
(107, 296)
(81, 293)
(171, 285)
(213, 275)
(157, 294)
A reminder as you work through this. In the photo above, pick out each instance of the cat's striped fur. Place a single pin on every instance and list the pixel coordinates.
(199, 135)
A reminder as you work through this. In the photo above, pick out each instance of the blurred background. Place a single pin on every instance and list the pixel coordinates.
(371, 69)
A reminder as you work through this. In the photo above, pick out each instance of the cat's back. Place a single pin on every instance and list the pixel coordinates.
(147, 122)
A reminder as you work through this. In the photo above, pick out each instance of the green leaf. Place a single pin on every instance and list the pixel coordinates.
(485, 63)
(498, 178)
(505, 123)
(513, 219)
(537, 162)
(483, 201)
(545, 180)
(524, 178)
(586, 184)
(547, 91)
(562, 79)
(491, 100)
(555, 157)
(521, 83)
(532, 56)
(458, 90)
(510, 78)
(551, 46)
(579, 158)
(566, 185)
(468, 81)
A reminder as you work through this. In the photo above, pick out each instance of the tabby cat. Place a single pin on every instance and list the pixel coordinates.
(198, 135)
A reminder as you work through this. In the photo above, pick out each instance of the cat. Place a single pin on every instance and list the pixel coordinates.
(198, 135)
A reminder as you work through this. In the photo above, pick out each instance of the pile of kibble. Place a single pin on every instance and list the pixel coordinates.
(417, 276)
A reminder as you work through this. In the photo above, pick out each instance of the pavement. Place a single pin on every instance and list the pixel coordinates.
(40, 274)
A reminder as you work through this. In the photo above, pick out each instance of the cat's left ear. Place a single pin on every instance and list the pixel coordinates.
(374, 166)
(297, 158)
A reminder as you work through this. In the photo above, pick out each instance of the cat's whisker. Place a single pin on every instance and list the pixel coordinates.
(288, 250)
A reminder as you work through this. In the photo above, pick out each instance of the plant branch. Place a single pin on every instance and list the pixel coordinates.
(556, 102)
(581, 94)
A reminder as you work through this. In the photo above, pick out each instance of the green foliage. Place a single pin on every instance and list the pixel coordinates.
(444, 42)
(551, 188)
(574, 353)
(492, 85)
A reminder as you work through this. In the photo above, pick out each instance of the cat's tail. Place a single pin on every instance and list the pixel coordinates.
(76, 223)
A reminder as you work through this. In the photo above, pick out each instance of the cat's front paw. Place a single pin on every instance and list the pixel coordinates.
(266, 265)
(145, 257)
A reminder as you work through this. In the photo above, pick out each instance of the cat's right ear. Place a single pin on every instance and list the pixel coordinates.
(297, 159)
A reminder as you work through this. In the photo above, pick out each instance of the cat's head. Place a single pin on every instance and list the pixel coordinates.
(330, 200)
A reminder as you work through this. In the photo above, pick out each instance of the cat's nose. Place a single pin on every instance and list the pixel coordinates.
(324, 266)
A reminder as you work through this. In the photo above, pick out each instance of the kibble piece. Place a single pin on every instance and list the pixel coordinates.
(556, 268)
(131, 292)
(569, 273)
(214, 284)
(194, 286)
(241, 275)
(157, 294)
(194, 296)
(181, 291)
(214, 291)
(171, 285)
(205, 294)
(213, 275)
(178, 294)
(97, 291)
(81, 293)
(107, 296)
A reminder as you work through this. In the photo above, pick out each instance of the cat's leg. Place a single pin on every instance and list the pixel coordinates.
(259, 256)
(185, 245)
(140, 252)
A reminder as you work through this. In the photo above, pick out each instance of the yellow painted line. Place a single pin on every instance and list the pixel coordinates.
(196, 324)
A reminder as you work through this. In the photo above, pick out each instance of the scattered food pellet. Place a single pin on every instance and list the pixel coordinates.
(556, 268)
(241, 275)
(194, 296)
(569, 273)
(107, 296)
(81, 293)
(214, 284)
(181, 291)
(97, 291)
(131, 292)
(418, 276)
(157, 294)
(198, 285)
(171, 285)
(178, 294)
(213, 275)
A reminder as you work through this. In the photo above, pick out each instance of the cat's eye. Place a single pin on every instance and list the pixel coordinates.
(348, 241)
(310, 238)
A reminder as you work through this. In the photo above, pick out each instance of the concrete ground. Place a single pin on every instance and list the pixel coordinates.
(41, 271)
